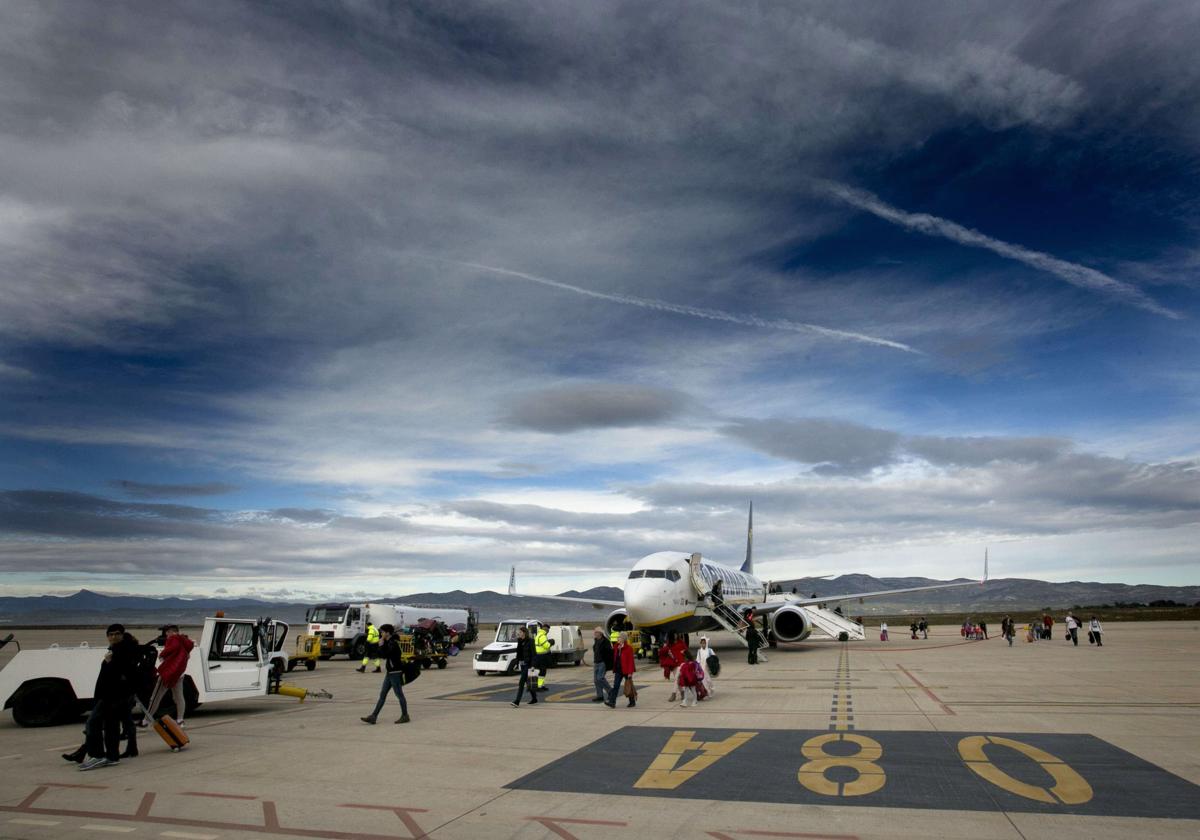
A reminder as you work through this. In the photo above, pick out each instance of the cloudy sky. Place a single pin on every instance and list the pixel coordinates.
(357, 298)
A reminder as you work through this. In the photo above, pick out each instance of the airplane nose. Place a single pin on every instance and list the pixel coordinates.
(638, 602)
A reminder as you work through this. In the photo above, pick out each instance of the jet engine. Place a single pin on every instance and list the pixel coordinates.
(615, 621)
(790, 624)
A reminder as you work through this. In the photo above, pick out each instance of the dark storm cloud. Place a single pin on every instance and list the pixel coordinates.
(833, 446)
(143, 490)
(977, 451)
(573, 408)
(65, 514)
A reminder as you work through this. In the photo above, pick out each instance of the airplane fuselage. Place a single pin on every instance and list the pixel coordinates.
(660, 595)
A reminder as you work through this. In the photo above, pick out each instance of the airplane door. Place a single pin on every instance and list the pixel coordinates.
(234, 659)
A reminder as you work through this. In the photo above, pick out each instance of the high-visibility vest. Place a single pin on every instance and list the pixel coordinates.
(372, 634)
(541, 643)
(614, 636)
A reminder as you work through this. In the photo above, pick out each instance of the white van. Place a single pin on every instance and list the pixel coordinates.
(500, 657)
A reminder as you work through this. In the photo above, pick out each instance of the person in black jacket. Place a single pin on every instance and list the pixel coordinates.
(394, 679)
(115, 686)
(602, 663)
(524, 663)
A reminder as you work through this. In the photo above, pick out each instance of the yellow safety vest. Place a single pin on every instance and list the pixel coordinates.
(614, 636)
(541, 643)
(372, 634)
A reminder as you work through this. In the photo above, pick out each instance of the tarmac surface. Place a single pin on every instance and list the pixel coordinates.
(937, 737)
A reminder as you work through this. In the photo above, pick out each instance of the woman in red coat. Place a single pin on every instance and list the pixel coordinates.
(171, 665)
(623, 669)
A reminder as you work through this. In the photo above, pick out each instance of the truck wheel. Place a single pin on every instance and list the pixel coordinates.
(578, 662)
(311, 664)
(277, 668)
(425, 663)
(481, 673)
(359, 649)
(441, 664)
(291, 665)
(42, 703)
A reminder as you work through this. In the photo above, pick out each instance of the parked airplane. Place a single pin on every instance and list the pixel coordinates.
(672, 591)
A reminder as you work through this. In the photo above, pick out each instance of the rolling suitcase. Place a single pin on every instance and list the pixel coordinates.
(170, 731)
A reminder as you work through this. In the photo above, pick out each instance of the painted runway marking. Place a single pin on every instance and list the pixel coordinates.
(928, 692)
(24, 821)
(841, 714)
(14, 755)
(401, 811)
(720, 835)
(1040, 773)
(217, 795)
(187, 835)
(555, 825)
(115, 829)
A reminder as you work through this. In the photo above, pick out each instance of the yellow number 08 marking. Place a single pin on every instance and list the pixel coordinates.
(1069, 787)
(870, 775)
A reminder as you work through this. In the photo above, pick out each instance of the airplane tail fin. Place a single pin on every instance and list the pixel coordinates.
(985, 567)
(748, 566)
(512, 581)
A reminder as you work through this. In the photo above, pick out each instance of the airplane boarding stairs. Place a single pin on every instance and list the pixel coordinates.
(834, 624)
(725, 615)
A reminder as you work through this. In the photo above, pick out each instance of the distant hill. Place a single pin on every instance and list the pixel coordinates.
(87, 607)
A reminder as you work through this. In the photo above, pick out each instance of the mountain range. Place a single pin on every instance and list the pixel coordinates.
(86, 606)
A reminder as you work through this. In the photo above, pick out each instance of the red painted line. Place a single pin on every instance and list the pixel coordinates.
(178, 821)
(145, 805)
(400, 811)
(928, 692)
(721, 836)
(64, 784)
(270, 816)
(31, 798)
(216, 795)
(552, 824)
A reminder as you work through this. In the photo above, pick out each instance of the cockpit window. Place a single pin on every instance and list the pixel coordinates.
(637, 573)
(656, 573)
(672, 574)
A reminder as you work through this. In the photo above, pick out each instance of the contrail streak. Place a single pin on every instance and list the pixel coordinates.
(697, 312)
(1073, 273)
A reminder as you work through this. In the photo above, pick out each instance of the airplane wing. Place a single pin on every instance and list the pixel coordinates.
(771, 606)
(598, 603)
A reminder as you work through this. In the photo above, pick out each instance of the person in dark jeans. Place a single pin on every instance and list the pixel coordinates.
(753, 641)
(114, 690)
(393, 680)
(602, 663)
(524, 663)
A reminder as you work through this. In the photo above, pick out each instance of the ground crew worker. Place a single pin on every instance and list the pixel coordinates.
(541, 654)
(614, 635)
(372, 649)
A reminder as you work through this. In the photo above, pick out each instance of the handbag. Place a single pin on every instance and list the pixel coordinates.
(630, 690)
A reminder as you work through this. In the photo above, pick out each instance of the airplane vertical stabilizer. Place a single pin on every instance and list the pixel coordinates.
(748, 566)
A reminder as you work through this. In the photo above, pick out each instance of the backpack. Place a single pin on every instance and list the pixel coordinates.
(712, 665)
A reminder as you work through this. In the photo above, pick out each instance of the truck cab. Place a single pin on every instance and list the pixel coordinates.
(340, 627)
(234, 658)
(500, 657)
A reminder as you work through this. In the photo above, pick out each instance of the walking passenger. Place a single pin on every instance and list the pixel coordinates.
(114, 691)
(389, 648)
(172, 664)
(753, 641)
(602, 662)
(623, 670)
(1072, 629)
(524, 654)
(702, 657)
(1094, 629)
(883, 631)
(689, 678)
(923, 626)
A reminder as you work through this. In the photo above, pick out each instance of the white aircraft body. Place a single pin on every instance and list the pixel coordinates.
(661, 596)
